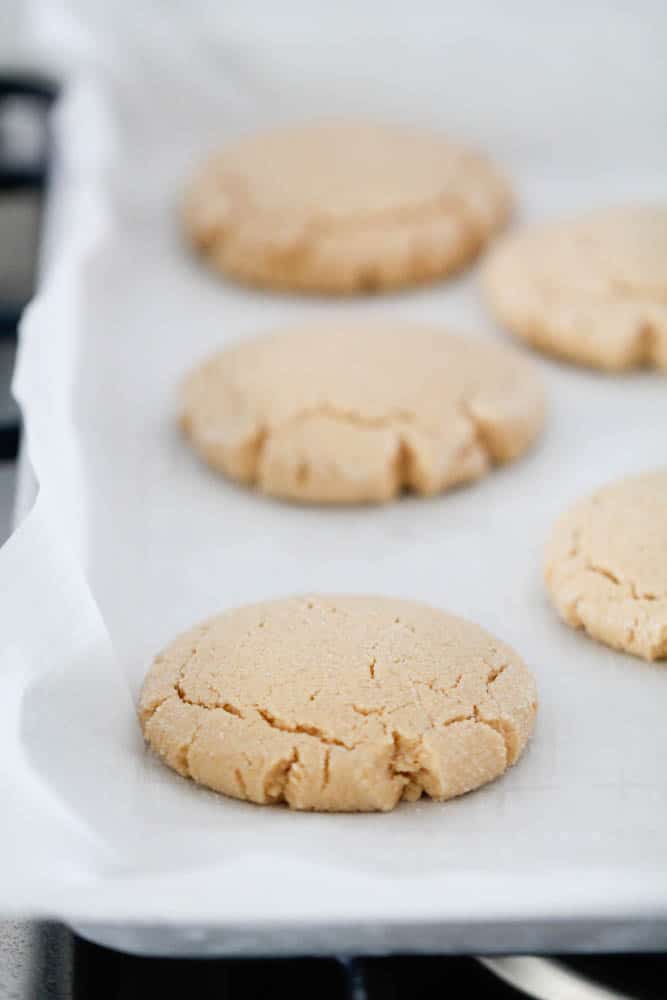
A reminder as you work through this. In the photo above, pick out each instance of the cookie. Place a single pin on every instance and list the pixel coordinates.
(592, 290)
(344, 208)
(338, 704)
(356, 412)
(606, 565)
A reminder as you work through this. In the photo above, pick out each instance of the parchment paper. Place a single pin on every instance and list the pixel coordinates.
(131, 539)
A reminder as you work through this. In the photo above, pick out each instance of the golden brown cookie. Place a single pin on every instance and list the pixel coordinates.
(355, 413)
(606, 565)
(344, 208)
(592, 290)
(340, 704)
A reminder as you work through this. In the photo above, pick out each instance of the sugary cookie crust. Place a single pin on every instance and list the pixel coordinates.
(606, 565)
(592, 290)
(356, 413)
(338, 704)
(344, 208)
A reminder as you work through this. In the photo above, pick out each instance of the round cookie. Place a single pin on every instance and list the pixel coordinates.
(343, 208)
(592, 290)
(340, 704)
(355, 413)
(606, 565)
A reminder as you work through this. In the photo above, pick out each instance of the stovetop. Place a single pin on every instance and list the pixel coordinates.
(53, 964)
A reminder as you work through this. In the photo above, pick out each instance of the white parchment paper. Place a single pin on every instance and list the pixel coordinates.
(132, 539)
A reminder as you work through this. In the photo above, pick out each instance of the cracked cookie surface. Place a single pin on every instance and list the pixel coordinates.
(606, 565)
(340, 704)
(592, 290)
(356, 413)
(344, 208)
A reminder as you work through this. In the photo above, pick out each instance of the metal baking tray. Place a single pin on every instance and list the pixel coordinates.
(132, 539)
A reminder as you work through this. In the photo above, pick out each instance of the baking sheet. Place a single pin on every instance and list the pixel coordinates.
(132, 539)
